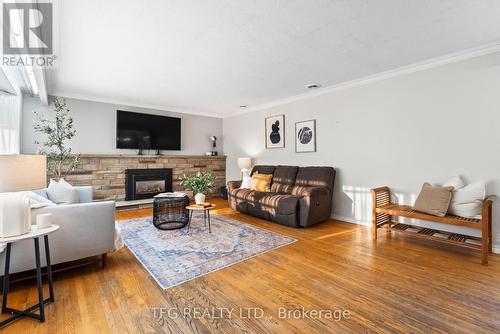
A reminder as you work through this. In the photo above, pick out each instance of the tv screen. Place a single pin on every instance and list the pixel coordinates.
(147, 132)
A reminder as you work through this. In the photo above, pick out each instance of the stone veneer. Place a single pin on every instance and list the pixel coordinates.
(106, 173)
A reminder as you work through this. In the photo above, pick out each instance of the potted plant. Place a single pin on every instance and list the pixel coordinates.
(198, 183)
(57, 131)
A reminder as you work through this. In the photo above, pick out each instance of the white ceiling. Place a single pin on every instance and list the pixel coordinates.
(213, 56)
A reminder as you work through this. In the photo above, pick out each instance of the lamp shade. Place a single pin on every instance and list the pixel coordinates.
(244, 163)
(22, 172)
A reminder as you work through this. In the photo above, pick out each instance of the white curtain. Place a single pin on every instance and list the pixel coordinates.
(10, 123)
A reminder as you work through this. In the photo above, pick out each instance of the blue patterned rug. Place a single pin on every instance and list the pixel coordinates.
(176, 256)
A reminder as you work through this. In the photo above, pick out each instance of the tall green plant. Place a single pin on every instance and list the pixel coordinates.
(198, 183)
(57, 130)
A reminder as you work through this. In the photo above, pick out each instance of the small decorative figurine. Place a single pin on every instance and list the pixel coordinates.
(213, 139)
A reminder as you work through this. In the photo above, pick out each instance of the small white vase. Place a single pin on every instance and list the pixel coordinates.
(199, 198)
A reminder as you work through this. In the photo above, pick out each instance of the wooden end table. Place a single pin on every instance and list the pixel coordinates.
(206, 214)
(35, 234)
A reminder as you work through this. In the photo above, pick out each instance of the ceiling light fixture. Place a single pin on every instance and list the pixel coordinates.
(243, 106)
(313, 86)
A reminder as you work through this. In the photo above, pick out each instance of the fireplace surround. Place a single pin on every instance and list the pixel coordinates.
(146, 183)
(106, 172)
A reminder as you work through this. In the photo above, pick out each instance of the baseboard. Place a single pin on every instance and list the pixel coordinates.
(350, 220)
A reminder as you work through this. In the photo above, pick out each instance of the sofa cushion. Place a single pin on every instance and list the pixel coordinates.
(41, 192)
(286, 204)
(274, 203)
(241, 194)
(316, 177)
(284, 179)
(279, 208)
(238, 198)
(263, 169)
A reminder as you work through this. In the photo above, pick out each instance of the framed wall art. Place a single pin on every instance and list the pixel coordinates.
(305, 136)
(275, 131)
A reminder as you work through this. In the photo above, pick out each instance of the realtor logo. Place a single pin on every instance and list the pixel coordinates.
(28, 34)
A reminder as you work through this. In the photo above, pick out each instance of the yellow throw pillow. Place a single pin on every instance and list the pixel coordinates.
(261, 182)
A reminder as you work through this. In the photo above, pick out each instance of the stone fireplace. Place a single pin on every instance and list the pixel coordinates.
(107, 173)
(146, 183)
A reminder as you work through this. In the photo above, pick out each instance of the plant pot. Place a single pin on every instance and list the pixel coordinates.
(199, 198)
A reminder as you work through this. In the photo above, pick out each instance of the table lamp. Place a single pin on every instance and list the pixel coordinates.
(19, 173)
(244, 164)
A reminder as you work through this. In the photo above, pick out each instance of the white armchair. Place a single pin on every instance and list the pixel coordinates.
(86, 229)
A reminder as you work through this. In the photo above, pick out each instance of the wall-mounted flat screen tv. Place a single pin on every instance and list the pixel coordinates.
(147, 132)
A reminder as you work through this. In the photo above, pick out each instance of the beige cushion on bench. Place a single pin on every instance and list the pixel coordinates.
(434, 200)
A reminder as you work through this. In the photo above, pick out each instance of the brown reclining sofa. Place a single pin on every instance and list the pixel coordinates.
(299, 196)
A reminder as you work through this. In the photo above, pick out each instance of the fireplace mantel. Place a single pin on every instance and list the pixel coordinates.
(137, 156)
(106, 172)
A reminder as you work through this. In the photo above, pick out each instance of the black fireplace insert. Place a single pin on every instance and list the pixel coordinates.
(147, 183)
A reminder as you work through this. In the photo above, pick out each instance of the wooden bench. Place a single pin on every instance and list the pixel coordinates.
(384, 211)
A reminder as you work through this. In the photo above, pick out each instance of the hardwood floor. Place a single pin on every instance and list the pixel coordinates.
(394, 285)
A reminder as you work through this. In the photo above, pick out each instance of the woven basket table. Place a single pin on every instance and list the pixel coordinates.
(169, 211)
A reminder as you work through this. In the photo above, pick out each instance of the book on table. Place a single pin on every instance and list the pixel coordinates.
(203, 205)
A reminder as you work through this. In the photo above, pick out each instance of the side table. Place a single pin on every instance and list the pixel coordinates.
(169, 211)
(35, 234)
(206, 214)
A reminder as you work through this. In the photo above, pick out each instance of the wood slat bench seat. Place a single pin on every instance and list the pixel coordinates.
(384, 211)
(408, 212)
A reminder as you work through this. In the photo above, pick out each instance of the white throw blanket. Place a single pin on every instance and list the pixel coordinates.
(36, 200)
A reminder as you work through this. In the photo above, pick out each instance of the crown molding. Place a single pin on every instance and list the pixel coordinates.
(132, 104)
(412, 68)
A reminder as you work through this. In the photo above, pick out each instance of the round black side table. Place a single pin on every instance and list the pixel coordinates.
(169, 211)
(35, 234)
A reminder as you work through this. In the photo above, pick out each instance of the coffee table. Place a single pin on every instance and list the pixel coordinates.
(206, 214)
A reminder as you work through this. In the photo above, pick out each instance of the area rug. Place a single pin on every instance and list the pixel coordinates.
(177, 256)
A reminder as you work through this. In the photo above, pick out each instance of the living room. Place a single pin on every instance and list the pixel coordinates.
(270, 167)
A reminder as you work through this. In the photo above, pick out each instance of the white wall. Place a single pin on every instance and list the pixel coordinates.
(399, 132)
(95, 123)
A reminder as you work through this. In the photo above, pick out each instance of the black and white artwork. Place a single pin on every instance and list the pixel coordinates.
(305, 136)
(275, 131)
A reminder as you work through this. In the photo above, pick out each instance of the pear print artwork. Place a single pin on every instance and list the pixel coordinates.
(275, 131)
